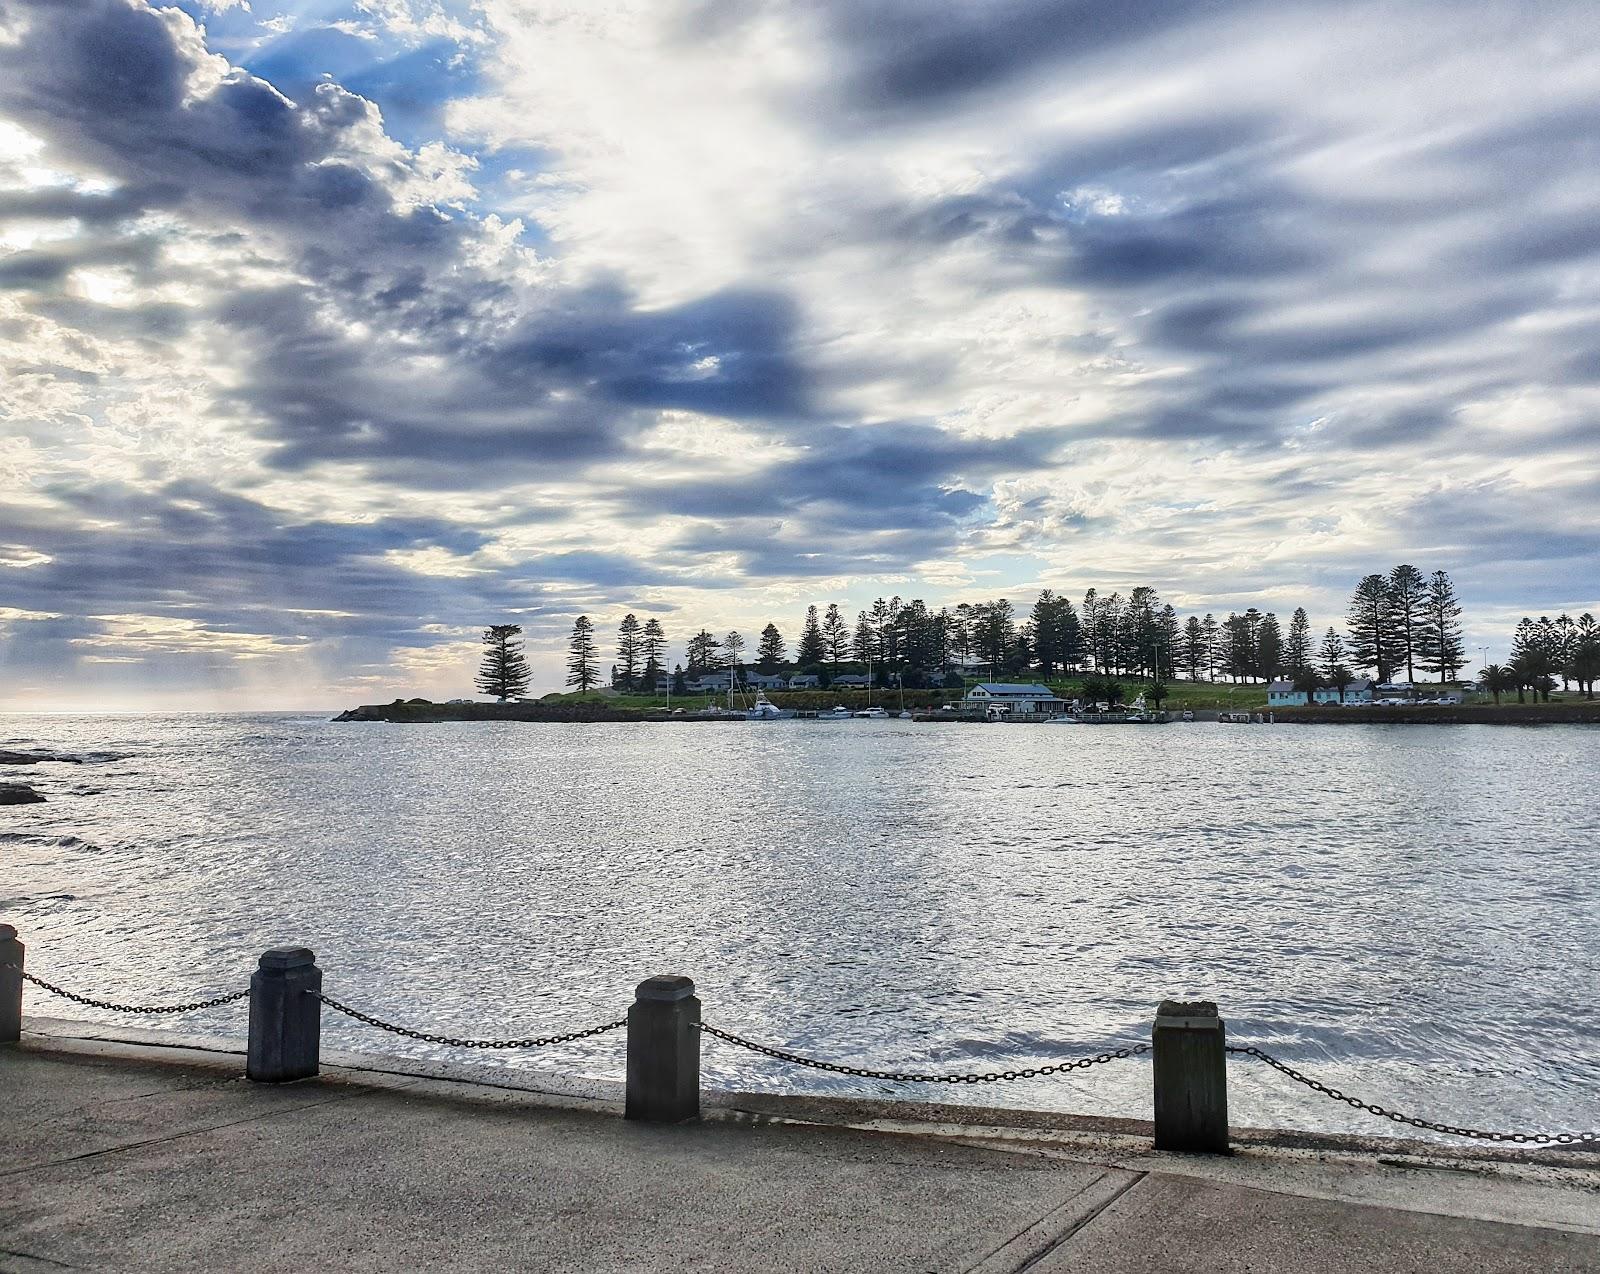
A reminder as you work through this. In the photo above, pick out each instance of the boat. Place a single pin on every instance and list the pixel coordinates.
(763, 709)
(872, 714)
(839, 713)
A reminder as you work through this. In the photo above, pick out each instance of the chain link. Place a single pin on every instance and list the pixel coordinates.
(453, 1041)
(1453, 1130)
(125, 1008)
(911, 1077)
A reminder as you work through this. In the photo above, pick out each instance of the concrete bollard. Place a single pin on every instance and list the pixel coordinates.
(11, 952)
(1191, 1078)
(664, 1051)
(285, 1022)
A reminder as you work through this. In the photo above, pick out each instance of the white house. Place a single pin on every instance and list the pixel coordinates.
(708, 681)
(1282, 694)
(805, 681)
(761, 681)
(850, 681)
(1015, 697)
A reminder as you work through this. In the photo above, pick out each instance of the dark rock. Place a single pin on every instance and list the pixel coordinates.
(33, 758)
(18, 794)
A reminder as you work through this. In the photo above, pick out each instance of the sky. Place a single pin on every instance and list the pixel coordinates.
(334, 330)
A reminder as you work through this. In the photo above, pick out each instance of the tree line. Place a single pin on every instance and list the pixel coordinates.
(1401, 620)
(1544, 649)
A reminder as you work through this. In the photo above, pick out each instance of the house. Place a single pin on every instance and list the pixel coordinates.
(1014, 697)
(805, 681)
(850, 681)
(707, 682)
(761, 681)
(1359, 691)
(1282, 694)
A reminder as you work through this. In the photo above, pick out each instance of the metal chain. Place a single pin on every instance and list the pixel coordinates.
(1476, 1134)
(910, 1077)
(453, 1042)
(126, 1008)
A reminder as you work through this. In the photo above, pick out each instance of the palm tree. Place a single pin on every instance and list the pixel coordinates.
(1496, 680)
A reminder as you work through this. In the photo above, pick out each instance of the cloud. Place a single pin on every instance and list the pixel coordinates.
(417, 314)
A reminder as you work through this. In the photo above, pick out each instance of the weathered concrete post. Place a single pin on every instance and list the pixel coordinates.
(285, 1022)
(11, 952)
(664, 1051)
(1191, 1078)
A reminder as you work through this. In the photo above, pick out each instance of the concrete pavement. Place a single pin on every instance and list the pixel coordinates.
(124, 1156)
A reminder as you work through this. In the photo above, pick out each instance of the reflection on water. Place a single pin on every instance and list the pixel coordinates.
(1410, 912)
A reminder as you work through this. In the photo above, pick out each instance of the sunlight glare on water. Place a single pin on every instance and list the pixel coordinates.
(1411, 913)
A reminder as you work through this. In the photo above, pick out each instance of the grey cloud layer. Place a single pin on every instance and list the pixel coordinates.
(1247, 304)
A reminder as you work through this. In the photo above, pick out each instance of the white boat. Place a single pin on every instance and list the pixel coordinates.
(872, 714)
(839, 713)
(763, 709)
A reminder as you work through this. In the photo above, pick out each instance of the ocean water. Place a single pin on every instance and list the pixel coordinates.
(1410, 913)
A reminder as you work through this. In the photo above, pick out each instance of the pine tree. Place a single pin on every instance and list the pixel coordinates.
(1044, 631)
(880, 622)
(1269, 648)
(835, 635)
(1194, 647)
(652, 646)
(864, 644)
(1585, 665)
(1170, 643)
(813, 650)
(1297, 645)
(1212, 639)
(770, 650)
(628, 644)
(995, 635)
(503, 671)
(581, 656)
(1533, 658)
(961, 632)
(1408, 592)
(703, 652)
(1371, 624)
(1443, 650)
(733, 643)
(1333, 667)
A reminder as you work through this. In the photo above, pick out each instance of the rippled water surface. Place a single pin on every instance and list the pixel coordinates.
(1411, 912)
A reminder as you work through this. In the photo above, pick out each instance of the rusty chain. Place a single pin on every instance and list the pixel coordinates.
(125, 1008)
(911, 1077)
(1453, 1130)
(455, 1042)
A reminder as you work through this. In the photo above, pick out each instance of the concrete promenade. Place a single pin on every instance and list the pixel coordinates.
(123, 1155)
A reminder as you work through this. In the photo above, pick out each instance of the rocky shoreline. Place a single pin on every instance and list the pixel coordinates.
(417, 711)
